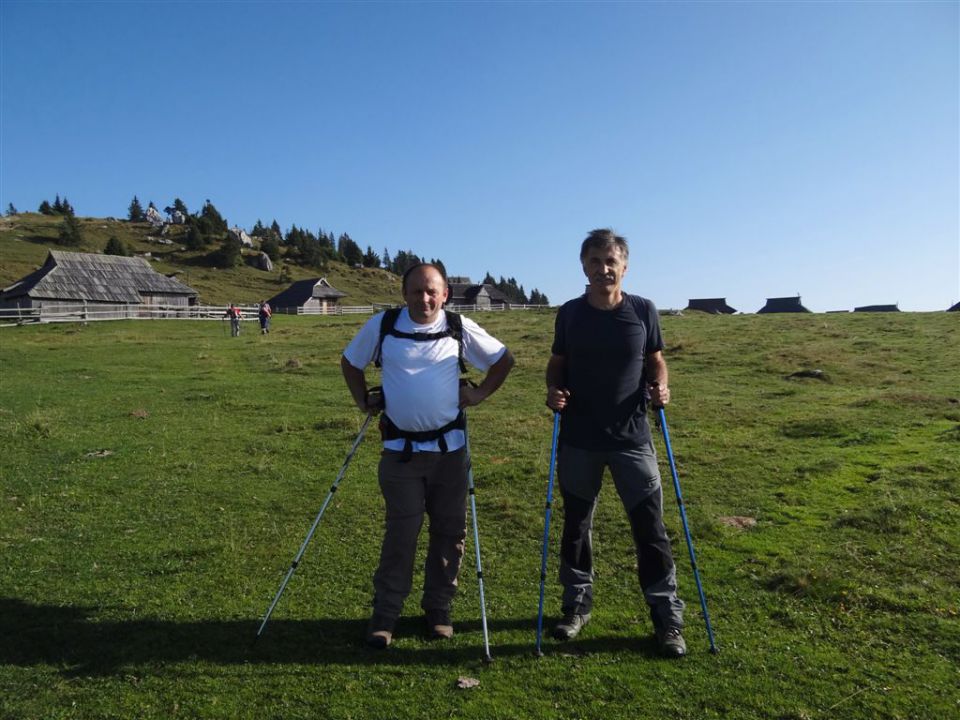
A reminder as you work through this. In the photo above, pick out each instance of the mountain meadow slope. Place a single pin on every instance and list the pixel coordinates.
(159, 476)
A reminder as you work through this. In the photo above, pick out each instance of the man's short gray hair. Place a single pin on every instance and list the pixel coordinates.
(603, 238)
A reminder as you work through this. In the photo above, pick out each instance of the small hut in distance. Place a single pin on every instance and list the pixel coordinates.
(714, 306)
(314, 296)
(877, 308)
(783, 305)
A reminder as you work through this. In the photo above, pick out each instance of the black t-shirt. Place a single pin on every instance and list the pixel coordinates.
(604, 355)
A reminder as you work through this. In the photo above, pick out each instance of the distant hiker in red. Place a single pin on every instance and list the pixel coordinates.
(233, 312)
(264, 313)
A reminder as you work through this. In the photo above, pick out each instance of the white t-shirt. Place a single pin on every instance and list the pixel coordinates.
(421, 379)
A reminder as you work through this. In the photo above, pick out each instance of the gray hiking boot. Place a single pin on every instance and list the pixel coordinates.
(570, 626)
(380, 632)
(671, 642)
(439, 626)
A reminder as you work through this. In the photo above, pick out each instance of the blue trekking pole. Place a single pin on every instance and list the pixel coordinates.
(546, 530)
(686, 528)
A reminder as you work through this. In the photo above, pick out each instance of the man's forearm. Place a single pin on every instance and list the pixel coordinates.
(496, 374)
(356, 382)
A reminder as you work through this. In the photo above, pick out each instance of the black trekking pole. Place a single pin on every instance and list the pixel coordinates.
(476, 546)
(546, 530)
(686, 528)
(316, 522)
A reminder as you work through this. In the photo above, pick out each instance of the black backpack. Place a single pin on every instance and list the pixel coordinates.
(388, 327)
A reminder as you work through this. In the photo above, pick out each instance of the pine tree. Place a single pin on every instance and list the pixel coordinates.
(115, 246)
(135, 211)
(270, 246)
(57, 206)
(229, 255)
(194, 239)
(45, 208)
(70, 233)
(351, 252)
(178, 204)
(386, 259)
(66, 208)
(11, 210)
(371, 259)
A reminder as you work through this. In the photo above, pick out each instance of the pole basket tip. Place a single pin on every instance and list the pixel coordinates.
(714, 650)
(487, 659)
(538, 653)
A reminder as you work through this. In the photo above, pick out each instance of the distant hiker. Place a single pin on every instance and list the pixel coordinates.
(424, 464)
(233, 312)
(607, 360)
(264, 313)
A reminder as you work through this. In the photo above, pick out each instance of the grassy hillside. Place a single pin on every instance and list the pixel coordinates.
(25, 240)
(158, 478)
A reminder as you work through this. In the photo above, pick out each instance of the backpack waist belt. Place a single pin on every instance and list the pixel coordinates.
(389, 431)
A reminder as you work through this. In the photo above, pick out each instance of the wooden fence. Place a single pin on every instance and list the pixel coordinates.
(83, 312)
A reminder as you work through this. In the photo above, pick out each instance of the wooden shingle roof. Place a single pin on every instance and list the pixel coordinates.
(102, 278)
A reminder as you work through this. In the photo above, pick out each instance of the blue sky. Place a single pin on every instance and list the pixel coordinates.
(746, 150)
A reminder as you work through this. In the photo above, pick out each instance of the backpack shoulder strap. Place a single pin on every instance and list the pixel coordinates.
(455, 329)
(387, 323)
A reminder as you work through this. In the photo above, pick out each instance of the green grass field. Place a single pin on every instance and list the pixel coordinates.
(158, 478)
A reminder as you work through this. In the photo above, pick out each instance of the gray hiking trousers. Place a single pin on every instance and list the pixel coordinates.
(637, 480)
(431, 483)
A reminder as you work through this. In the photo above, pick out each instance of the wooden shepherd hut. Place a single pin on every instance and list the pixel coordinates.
(108, 285)
(877, 308)
(715, 306)
(482, 295)
(315, 296)
(783, 305)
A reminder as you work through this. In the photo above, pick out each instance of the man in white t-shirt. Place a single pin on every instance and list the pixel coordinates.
(424, 463)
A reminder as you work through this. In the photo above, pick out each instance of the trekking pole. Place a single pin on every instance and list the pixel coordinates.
(546, 530)
(686, 528)
(476, 545)
(316, 522)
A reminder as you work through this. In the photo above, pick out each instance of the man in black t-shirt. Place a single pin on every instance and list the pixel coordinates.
(607, 357)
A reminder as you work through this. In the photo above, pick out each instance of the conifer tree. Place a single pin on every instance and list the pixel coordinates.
(11, 210)
(135, 211)
(115, 246)
(70, 233)
(371, 259)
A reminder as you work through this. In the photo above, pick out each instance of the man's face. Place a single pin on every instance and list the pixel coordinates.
(425, 294)
(604, 268)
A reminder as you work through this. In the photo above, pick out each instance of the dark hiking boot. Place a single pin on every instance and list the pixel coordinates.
(570, 626)
(671, 642)
(438, 623)
(380, 632)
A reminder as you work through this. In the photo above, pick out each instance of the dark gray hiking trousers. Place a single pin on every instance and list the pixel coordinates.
(637, 480)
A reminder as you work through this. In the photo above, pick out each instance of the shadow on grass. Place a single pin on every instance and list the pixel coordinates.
(67, 638)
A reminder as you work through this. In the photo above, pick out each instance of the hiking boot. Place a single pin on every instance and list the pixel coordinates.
(671, 642)
(438, 623)
(570, 626)
(380, 632)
